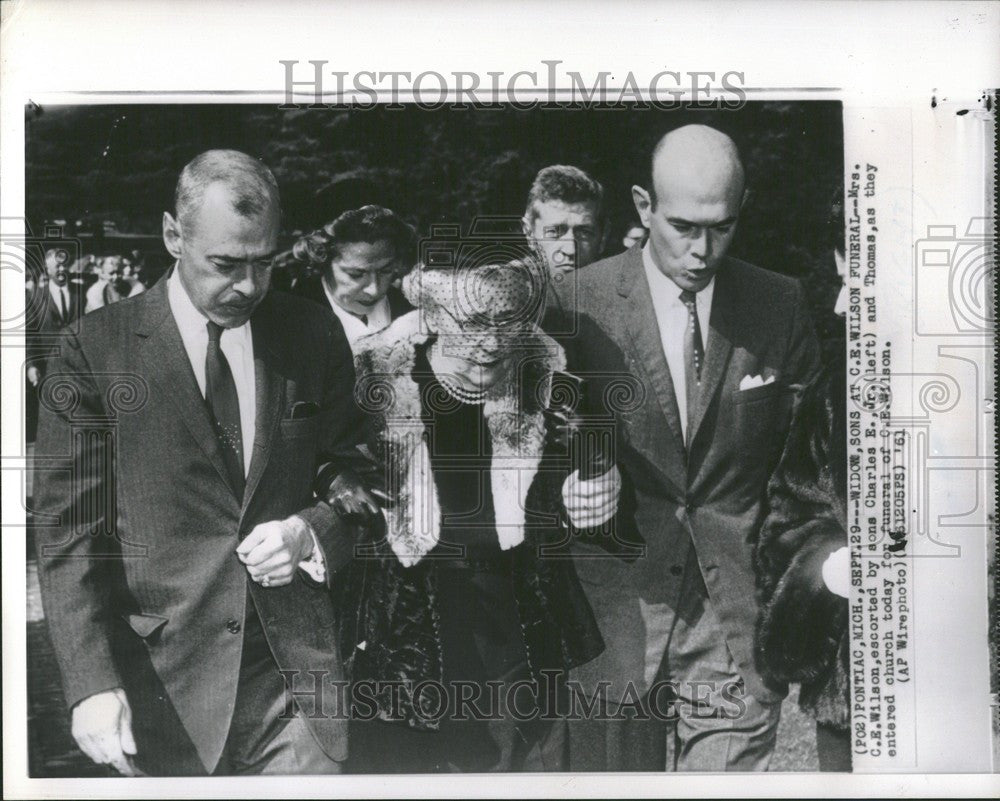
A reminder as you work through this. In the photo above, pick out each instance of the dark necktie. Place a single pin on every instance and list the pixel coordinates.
(694, 357)
(224, 406)
(63, 310)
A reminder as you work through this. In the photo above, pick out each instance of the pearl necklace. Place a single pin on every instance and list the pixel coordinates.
(462, 395)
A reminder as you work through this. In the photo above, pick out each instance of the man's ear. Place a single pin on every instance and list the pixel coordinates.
(526, 226)
(643, 204)
(172, 237)
(745, 199)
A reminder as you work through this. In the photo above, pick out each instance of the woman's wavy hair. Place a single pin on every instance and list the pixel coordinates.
(369, 224)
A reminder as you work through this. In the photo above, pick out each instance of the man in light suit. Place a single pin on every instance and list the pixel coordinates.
(188, 561)
(716, 348)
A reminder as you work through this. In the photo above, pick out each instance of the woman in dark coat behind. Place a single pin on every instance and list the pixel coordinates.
(802, 567)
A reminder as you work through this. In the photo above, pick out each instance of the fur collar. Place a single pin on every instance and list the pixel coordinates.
(513, 411)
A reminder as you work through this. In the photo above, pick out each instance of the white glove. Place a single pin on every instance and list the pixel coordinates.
(837, 571)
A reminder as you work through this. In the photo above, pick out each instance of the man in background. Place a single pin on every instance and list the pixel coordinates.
(565, 218)
(50, 305)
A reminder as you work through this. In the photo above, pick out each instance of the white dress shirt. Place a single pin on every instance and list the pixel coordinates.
(378, 317)
(62, 292)
(237, 346)
(672, 317)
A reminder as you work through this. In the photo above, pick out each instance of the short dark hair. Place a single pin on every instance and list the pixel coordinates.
(564, 184)
(252, 184)
(369, 224)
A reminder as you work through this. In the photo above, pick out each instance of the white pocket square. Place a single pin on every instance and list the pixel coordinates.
(751, 381)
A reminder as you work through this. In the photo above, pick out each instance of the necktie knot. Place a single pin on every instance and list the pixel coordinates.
(688, 297)
(214, 332)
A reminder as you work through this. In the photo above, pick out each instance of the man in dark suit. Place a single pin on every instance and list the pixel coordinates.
(49, 306)
(714, 348)
(188, 560)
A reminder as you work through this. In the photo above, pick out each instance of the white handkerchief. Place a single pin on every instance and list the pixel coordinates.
(751, 381)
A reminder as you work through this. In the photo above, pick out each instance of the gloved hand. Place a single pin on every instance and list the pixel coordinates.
(561, 426)
(351, 497)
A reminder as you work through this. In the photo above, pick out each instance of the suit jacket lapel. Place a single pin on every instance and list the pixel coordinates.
(167, 365)
(270, 387)
(650, 363)
(725, 310)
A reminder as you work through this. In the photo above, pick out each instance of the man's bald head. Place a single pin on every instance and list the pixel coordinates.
(696, 158)
(692, 204)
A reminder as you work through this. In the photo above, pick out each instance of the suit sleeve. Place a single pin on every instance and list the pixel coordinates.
(341, 428)
(77, 550)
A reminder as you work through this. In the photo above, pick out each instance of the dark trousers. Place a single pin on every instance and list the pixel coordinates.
(833, 747)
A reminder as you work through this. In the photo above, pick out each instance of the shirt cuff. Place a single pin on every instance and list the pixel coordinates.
(314, 566)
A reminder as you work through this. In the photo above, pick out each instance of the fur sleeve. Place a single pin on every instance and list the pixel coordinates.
(801, 621)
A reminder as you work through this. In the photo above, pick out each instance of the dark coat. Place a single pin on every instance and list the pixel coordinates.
(802, 633)
(709, 494)
(44, 319)
(391, 620)
(140, 581)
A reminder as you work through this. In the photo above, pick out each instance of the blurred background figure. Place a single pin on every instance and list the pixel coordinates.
(132, 267)
(110, 286)
(357, 257)
(83, 271)
(565, 218)
(52, 304)
(635, 234)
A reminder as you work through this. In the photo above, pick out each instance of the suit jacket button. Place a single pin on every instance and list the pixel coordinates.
(676, 570)
(233, 625)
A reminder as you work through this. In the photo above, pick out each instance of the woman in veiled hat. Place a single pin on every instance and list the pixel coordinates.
(454, 596)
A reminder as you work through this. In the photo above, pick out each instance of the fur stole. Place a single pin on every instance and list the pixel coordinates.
(390, 396)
